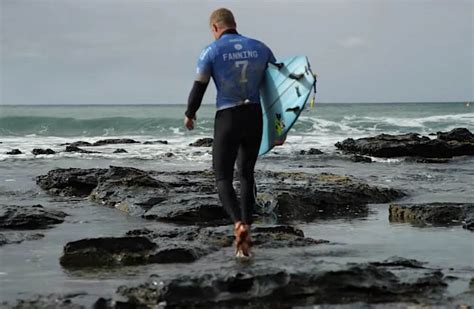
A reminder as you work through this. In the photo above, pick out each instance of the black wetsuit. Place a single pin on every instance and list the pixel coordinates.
(237, 65)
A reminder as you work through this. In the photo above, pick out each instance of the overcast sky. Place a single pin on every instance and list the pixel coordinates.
(144, 52)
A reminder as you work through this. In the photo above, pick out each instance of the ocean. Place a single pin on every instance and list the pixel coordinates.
(32, 267)
(28, 127)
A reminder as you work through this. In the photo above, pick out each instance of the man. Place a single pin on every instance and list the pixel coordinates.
(237, 65)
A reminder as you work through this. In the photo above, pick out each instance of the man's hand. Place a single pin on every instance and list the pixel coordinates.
(188, 123)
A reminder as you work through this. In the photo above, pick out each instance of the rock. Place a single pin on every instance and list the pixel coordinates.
(7, 238)
(322, 196)
(173, 245)
(77, 144)
(70, 181)
(14, 152)
(72, 148)
(215, 238)
(311, 151)
(107, 251)
(120, 150)
(115, 141)
(169, 154)
(39, 151)
(264, 285)
(129, 189)
(189, 209)
(433, 213)
(410, 144)
(190, 197)
(156, 142)
(400, 262)
(357, 158)
(52, 301)
(29, 217)
(430, 160)
(468, 221)
(458, 134)
(202, 142)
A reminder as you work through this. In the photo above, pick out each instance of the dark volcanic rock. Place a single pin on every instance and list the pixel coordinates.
(411, 144)
(173, 245)
(70, 181)
(18, 237)
(190, 197)
(120, 150)
(110, 141)
(39, 151)
(280, 287)
(202, 142)
(29, 217)
(52, 301)
(77, 144)
(311, 151)
(190, 209)
(433, 213)
(357, 158)
(107, 251)
(72, 148)
(458, 134)
(214, 238)
(323, 196)
(129, 189)
(156, 142)
(430, 160)
(14, 152)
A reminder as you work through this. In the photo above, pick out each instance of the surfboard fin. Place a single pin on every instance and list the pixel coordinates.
(278, 65)
(296, 76)
(293, 109)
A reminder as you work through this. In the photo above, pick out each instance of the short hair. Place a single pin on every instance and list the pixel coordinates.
(222, 17)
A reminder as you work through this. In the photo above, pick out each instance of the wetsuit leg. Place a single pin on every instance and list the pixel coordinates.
(248, 153)
(224, 153)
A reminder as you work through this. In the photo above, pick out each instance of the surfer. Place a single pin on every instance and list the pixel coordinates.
(237, 65)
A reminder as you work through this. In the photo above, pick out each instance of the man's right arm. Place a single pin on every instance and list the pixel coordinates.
(195, 98)
(203, 75)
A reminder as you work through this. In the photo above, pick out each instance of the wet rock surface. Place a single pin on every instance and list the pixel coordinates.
(72, 148)
(14, 152)
(111, 141)
(202, 142)
(29, 217)
(163, 142)
(457, 142)
(10, 237)
(190, 197)
(70, 181)
(173, 245)
(39, 151)
(311, 151)
(107, 251)
(458, 134)
(52, 301)
(102, 142)
(120, 150)
(280, 285)
(434, 214)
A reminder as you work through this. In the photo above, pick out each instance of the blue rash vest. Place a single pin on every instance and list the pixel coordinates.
(237, 65)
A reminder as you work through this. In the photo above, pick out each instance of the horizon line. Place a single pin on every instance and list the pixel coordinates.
(212, 104)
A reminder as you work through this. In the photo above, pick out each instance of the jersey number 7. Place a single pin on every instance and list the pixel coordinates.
(243, 73)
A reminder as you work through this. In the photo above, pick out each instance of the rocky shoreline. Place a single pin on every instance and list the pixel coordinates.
(457, 142)
(192, 230)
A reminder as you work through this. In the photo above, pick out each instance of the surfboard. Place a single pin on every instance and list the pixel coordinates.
(285, 91)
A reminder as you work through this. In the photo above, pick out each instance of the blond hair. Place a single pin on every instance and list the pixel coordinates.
(223, 18)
